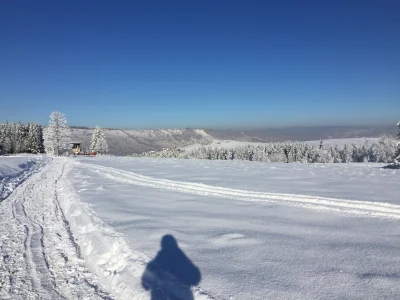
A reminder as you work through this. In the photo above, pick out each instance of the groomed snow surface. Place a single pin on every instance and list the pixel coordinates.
(141, 228)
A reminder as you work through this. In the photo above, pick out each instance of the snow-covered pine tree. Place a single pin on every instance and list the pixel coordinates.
(321, 143)
(13, 134)
(102, 146)
(334, 153)
(2, 138)
(56, 137)
(7, 134)
(384, 150)
(93, 141)
(21, 138)
(347, 154)
(398, 146)
(35, 138)
(98, 143)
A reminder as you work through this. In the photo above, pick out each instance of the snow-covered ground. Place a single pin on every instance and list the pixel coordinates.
(91, 228)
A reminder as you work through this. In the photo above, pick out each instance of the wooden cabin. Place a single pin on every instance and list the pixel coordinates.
(76, 147)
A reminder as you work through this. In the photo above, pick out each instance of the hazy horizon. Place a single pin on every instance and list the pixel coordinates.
(239, 128)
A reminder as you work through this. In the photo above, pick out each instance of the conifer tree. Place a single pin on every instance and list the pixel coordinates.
(98, 143)
(57, 139)
(398, 146)
(21, 138)
(7, 134)
(35, 138)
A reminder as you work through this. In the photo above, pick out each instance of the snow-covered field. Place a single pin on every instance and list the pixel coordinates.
(137, 228)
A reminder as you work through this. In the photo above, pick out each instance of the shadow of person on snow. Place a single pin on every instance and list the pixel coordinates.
(171, 274)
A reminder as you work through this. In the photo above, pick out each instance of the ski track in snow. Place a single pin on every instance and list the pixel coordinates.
(39, 258)
(342, 206)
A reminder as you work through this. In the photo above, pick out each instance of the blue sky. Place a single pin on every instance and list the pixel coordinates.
(232, 64)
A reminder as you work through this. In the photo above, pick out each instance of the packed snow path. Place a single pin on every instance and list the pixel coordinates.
(39, 257)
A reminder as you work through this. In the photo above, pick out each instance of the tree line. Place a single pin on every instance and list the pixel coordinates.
(383, 150)
(55, 139)
(21, 138)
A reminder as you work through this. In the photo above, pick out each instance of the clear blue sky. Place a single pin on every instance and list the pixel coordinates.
(146, 64)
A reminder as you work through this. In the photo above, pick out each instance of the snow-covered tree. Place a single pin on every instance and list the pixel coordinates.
(346, 154)
(98, 143)
(384, 150)
(21, 138)
(321, 143)
(93, 141)
(13, 127)
(7, 138)
(398, 146)
(2, 139)
(56, 137)
(34, 143)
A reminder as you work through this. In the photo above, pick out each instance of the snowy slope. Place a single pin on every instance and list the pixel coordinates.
(255, 231)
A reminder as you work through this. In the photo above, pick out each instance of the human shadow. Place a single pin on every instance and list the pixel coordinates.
(171, 274)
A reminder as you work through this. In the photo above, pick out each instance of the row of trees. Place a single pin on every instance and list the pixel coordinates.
(21, 138)
(55, 139)
(383, 150)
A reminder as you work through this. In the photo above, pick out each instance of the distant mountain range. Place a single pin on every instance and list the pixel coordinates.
(126, 142)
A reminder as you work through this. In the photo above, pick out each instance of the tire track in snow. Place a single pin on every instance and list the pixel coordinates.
(39, 257)
(41, 283)
(354, 207)
(34, 248)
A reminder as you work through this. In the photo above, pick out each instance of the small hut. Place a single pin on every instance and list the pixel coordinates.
(76, 147)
